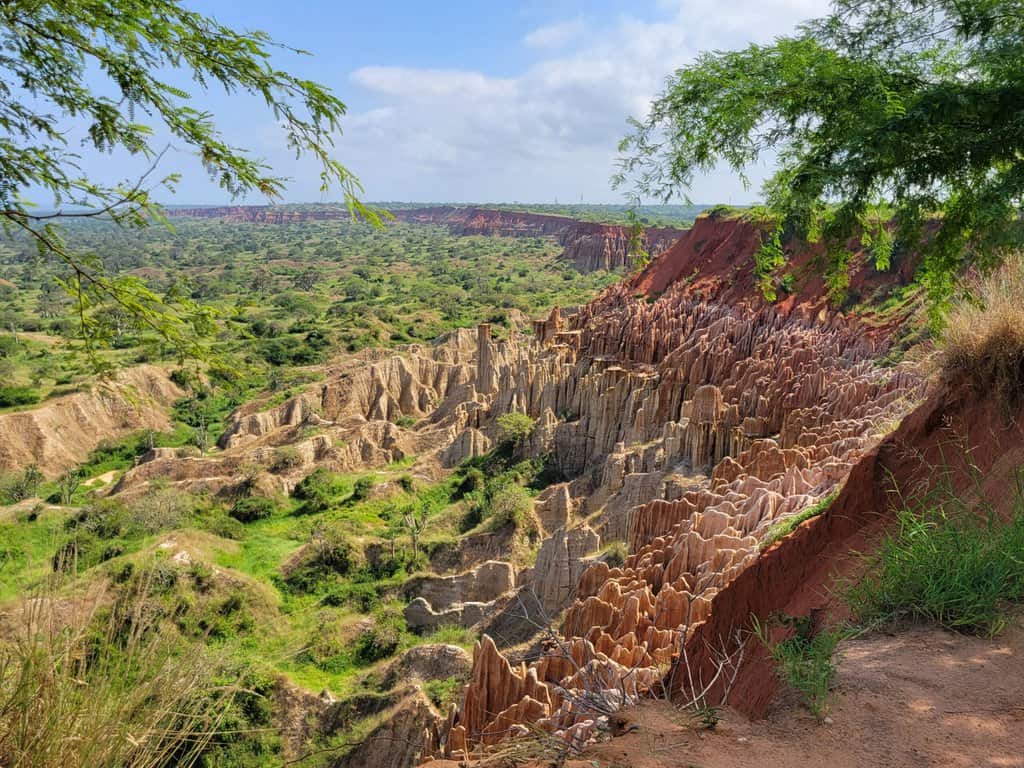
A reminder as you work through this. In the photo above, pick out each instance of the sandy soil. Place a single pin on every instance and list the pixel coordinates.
(923, 697)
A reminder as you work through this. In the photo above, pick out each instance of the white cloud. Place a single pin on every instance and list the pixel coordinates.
(552, 130)
(557, 34)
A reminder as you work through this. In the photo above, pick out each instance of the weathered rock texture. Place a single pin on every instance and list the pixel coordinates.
(688, 412)
(61, 432)
(692, 424)
(461, 600)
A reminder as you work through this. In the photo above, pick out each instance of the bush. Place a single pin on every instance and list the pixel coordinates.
(473, 480)
(443, 693)
(318, 490)
(20, 486)
(380, 640)
(361, 489)
(983, 341)
(806, 660)
(220, 524)
(780, 529)
(510, 506)
(514, 427)
(286, 457)
(615, 553)
(252, 508)
(947, 565)
(10, 396)
(75, 685)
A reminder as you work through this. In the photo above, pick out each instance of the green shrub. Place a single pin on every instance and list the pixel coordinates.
(220, 524)
(361, 489)
(11, 396)
(806, 660)
(509, 507)
(780, 529)
(615, 553)
(443, 693)
(318, 490)
(285, 458)
(473, 480)
(382, 638)
(249, 509)
(514, 427)
(19, 486)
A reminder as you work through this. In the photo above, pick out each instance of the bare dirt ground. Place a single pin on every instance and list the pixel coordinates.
(922, 697)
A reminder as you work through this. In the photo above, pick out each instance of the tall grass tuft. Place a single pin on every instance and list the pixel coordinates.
(983, 341)
(947, 563)
(88, 684)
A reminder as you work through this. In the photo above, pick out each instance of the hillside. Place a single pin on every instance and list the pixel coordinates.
(578, 501)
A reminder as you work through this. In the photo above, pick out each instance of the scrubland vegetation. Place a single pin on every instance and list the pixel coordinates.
(287, 297)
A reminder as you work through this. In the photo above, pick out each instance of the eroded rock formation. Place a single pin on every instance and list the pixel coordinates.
(692, 425)
(61, 432)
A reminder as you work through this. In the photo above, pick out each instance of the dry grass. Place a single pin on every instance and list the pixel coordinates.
(984, 338)
(91, 683)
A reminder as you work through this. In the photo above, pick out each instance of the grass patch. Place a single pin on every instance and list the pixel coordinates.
(805, 660)
(983, 341)
(780, 529)
(946, 564)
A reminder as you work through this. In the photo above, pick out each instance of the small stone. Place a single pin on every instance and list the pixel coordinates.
(828, 721)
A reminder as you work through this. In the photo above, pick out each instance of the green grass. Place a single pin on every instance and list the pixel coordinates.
(945, 563)
(805, 660)
(782, 528)
(25, 551)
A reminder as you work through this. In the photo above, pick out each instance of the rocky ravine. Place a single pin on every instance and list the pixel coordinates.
(690, 414)
(589, 246)
(61, 432)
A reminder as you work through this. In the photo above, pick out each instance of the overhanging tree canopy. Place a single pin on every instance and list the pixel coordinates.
(917, 103)
(47, 49)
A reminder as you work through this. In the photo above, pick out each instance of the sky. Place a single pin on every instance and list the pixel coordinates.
(481, 101)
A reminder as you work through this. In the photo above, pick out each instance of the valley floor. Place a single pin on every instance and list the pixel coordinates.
(925, 698)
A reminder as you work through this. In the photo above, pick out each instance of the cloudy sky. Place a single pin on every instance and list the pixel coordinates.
(483, 100)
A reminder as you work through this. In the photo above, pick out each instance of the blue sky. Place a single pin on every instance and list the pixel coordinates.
(479, 101)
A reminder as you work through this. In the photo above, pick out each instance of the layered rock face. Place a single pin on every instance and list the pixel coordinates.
(691, 425)
(690, 416)
(589, 245)
(61, 432)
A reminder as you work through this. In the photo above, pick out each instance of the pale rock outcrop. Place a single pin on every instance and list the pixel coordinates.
(62, 431)
(462, 600)
(560, 562)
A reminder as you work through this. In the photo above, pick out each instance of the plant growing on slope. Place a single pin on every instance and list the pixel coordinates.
(780, 529)
(983, 341)
(514, 428)
(85, 689)
(945, 563)
(913, 102)
(806, 660)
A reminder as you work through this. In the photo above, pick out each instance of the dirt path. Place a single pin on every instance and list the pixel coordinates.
(924, 698)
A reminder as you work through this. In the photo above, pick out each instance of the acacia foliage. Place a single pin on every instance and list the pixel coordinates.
(107, 67)
(918, 103)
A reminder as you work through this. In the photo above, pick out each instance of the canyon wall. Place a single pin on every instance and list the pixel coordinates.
(690, 415)
(588, 245)
(62, 431)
